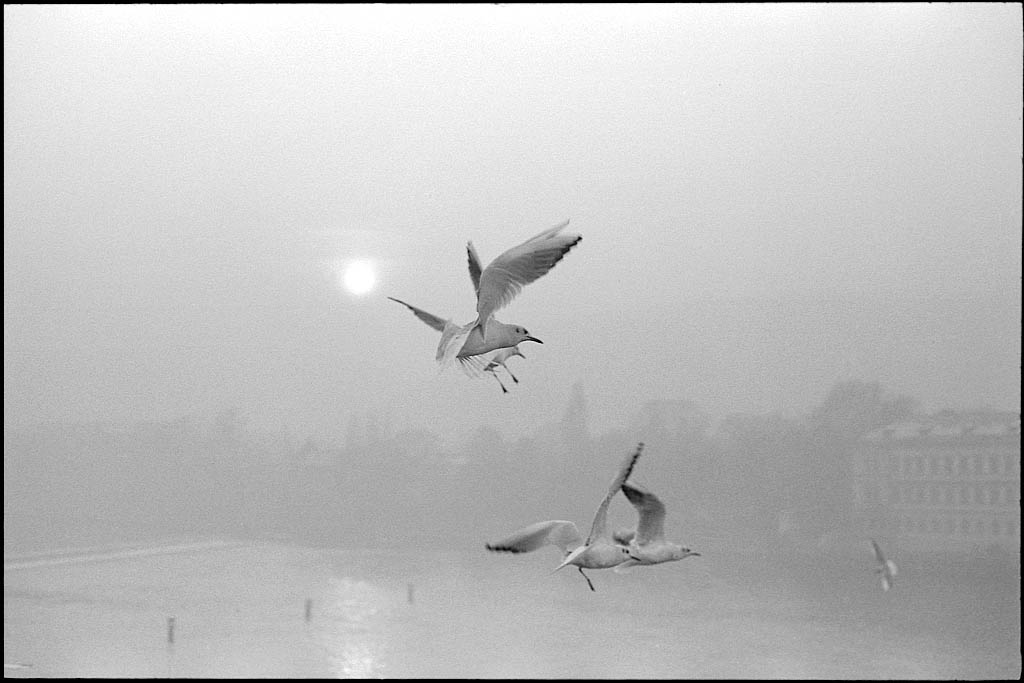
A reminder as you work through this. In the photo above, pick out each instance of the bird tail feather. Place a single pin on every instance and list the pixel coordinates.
(452, 339)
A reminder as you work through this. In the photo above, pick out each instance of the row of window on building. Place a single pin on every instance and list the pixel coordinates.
(911, 463)
(946, 525)
(993, 493)
(989, 493)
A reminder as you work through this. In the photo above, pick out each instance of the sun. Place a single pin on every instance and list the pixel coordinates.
(359, 277)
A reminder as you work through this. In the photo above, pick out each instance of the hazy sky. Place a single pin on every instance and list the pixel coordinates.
(771, 197)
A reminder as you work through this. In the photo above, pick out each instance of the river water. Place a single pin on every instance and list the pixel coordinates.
(240, 610)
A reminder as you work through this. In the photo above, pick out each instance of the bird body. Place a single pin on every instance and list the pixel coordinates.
(646, 544)
(486, 362)
(469, 341)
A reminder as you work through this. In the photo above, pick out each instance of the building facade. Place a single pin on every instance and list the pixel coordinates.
(950, 481)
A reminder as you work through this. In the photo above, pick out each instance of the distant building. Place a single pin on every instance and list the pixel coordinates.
(946, 481)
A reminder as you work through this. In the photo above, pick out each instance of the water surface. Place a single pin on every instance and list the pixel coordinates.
(240, 611)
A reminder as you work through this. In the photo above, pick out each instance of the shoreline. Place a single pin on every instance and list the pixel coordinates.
(109, 552)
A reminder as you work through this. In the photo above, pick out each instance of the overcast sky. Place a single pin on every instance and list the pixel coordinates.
(772, 198)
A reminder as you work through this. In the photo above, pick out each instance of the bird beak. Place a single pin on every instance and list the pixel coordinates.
(528, 338)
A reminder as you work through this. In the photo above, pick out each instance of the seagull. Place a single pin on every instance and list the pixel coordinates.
(488, 362)
(496, 286)
(887, 568)
(598, 551)
(646, 544)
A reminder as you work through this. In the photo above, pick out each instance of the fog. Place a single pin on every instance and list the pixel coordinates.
(800, 223)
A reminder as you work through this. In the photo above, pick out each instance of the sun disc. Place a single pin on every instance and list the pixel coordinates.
(360, 277)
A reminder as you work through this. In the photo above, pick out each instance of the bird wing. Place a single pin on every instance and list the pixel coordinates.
(474, 266)
(599, 526)
(623, 536)
(556, 532)
(506, 275)
(893, 569)
(878, 552)
(475, 366)
(453, 337)
(428, 318)
(651, 526)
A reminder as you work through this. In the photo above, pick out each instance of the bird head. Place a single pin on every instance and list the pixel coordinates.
(680, 552)
(522, 335)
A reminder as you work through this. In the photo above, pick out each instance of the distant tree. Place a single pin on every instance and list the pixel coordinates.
(850, 410)
(228, 424)
(671, 422)
(854, 408)
(762, 467)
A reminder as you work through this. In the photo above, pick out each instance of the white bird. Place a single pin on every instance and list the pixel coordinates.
(887, 568)
(487, 362)
(646, 543)
(598, 551)
(496, 286)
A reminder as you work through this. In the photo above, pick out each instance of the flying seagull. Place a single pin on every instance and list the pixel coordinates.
(497, 285)
(488, 362)
(646, 543)
(887, 568)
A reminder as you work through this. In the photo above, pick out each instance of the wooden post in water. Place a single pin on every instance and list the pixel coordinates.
(170, 630)
(408, 592)
(309, 609)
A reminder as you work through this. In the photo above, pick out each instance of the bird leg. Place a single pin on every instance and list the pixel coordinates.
(587, 578)
(503, 389)
(510, 374)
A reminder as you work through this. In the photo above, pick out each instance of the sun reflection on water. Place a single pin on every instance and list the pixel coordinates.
(356, 638)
